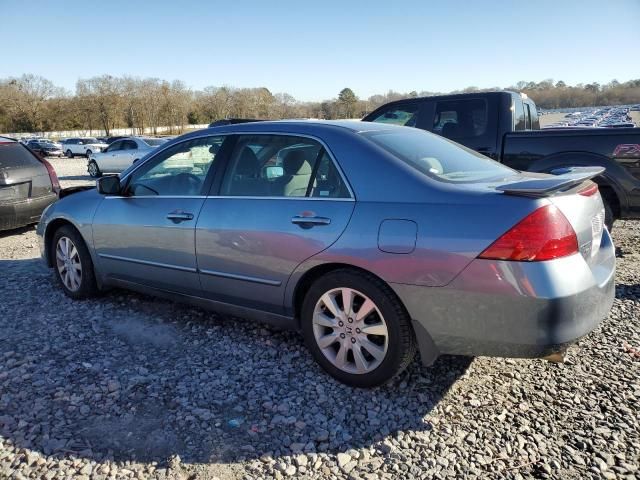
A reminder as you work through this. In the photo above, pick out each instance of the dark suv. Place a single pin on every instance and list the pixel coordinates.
(28, 185)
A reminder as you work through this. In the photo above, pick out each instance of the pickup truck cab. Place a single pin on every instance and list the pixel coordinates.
(505, 127)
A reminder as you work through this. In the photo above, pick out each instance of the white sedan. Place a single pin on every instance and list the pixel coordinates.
(121, 154)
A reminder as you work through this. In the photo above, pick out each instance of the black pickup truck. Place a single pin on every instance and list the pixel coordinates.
(505, 126)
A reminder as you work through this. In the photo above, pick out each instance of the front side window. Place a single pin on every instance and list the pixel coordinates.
(437, 157)
(179, 170)
(115, 146)
(404, 115)
(281, 166)
(457, 119)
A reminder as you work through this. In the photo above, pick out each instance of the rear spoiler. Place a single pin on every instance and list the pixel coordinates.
(565, 179)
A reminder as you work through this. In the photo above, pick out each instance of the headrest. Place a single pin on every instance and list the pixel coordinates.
(295, 163)
(450, 129)
(248, 163)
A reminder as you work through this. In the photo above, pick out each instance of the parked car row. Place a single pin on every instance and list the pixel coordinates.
(605, 117)
(121, 154)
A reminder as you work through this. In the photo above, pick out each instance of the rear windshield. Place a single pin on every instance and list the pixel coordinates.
(15, 155)
(437, 157)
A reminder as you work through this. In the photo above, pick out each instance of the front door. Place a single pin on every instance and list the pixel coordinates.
(147, 234)
(281, 201)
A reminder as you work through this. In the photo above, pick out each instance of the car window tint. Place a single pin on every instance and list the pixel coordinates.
(271, 166)
(130, 145)
(518, 115)
(16, 155)
(399, 115)
(178, 171)
(115, 146)
(460, 118)
(327, 182)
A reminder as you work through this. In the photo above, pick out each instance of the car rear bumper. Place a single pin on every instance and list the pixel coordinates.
(14, 214)
(513, 309)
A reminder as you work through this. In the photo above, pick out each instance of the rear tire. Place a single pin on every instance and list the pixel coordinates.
(88, 153)
(72, 263)
(609, 218)
(357, 348)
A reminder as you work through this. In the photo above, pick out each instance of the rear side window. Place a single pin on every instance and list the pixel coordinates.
(281, 166)
(459, 119)
(519, 122)
(15, 155)
(405, 115)
(436, 157)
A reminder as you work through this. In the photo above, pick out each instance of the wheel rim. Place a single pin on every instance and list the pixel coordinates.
(68, 263)
(350, 330)
(93, 169)
(68, 153)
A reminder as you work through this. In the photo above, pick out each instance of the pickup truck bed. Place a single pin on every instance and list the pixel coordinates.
(617, 150)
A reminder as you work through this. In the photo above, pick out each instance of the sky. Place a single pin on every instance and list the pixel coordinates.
(312, 50)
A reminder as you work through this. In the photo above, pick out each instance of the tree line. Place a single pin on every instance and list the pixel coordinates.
(32, 103)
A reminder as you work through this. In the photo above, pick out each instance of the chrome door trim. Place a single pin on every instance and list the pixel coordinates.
(196, 197)
(249, 197)
(242, 197)
(149, 263)
(233, 276)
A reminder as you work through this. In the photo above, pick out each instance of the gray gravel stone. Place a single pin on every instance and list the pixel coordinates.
(127, 386)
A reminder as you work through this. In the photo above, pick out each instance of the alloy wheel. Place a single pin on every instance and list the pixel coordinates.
(350, 330)
(68, 264)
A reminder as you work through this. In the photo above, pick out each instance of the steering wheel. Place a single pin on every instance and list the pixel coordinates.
(186, 181)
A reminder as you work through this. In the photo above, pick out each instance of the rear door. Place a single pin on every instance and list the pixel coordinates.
(126, 155)
(147, 235)
(468, 121)
(281, 201)
(108, 161)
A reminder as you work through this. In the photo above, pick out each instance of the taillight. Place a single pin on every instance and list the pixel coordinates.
(55, 184)
(544, 234)
(589, 190)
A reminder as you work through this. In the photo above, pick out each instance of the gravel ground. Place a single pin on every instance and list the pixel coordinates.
(126, 386)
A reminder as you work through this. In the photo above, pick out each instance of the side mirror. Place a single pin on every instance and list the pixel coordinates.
(109, 185)
(274, 172)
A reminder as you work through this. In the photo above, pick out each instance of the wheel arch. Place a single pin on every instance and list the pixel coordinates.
(426, 346)
(52, 227)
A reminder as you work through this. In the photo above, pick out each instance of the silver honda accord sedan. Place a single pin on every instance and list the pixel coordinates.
(373, 240)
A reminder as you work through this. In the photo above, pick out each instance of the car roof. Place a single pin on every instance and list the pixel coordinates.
(300, 126)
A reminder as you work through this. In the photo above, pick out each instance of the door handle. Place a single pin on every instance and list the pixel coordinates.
(308, 222)
(177, 217)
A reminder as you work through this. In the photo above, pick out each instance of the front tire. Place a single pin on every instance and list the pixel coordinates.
(88, 153)
(72, 263)
(69, 154)
(93, 169)
(357, 329)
